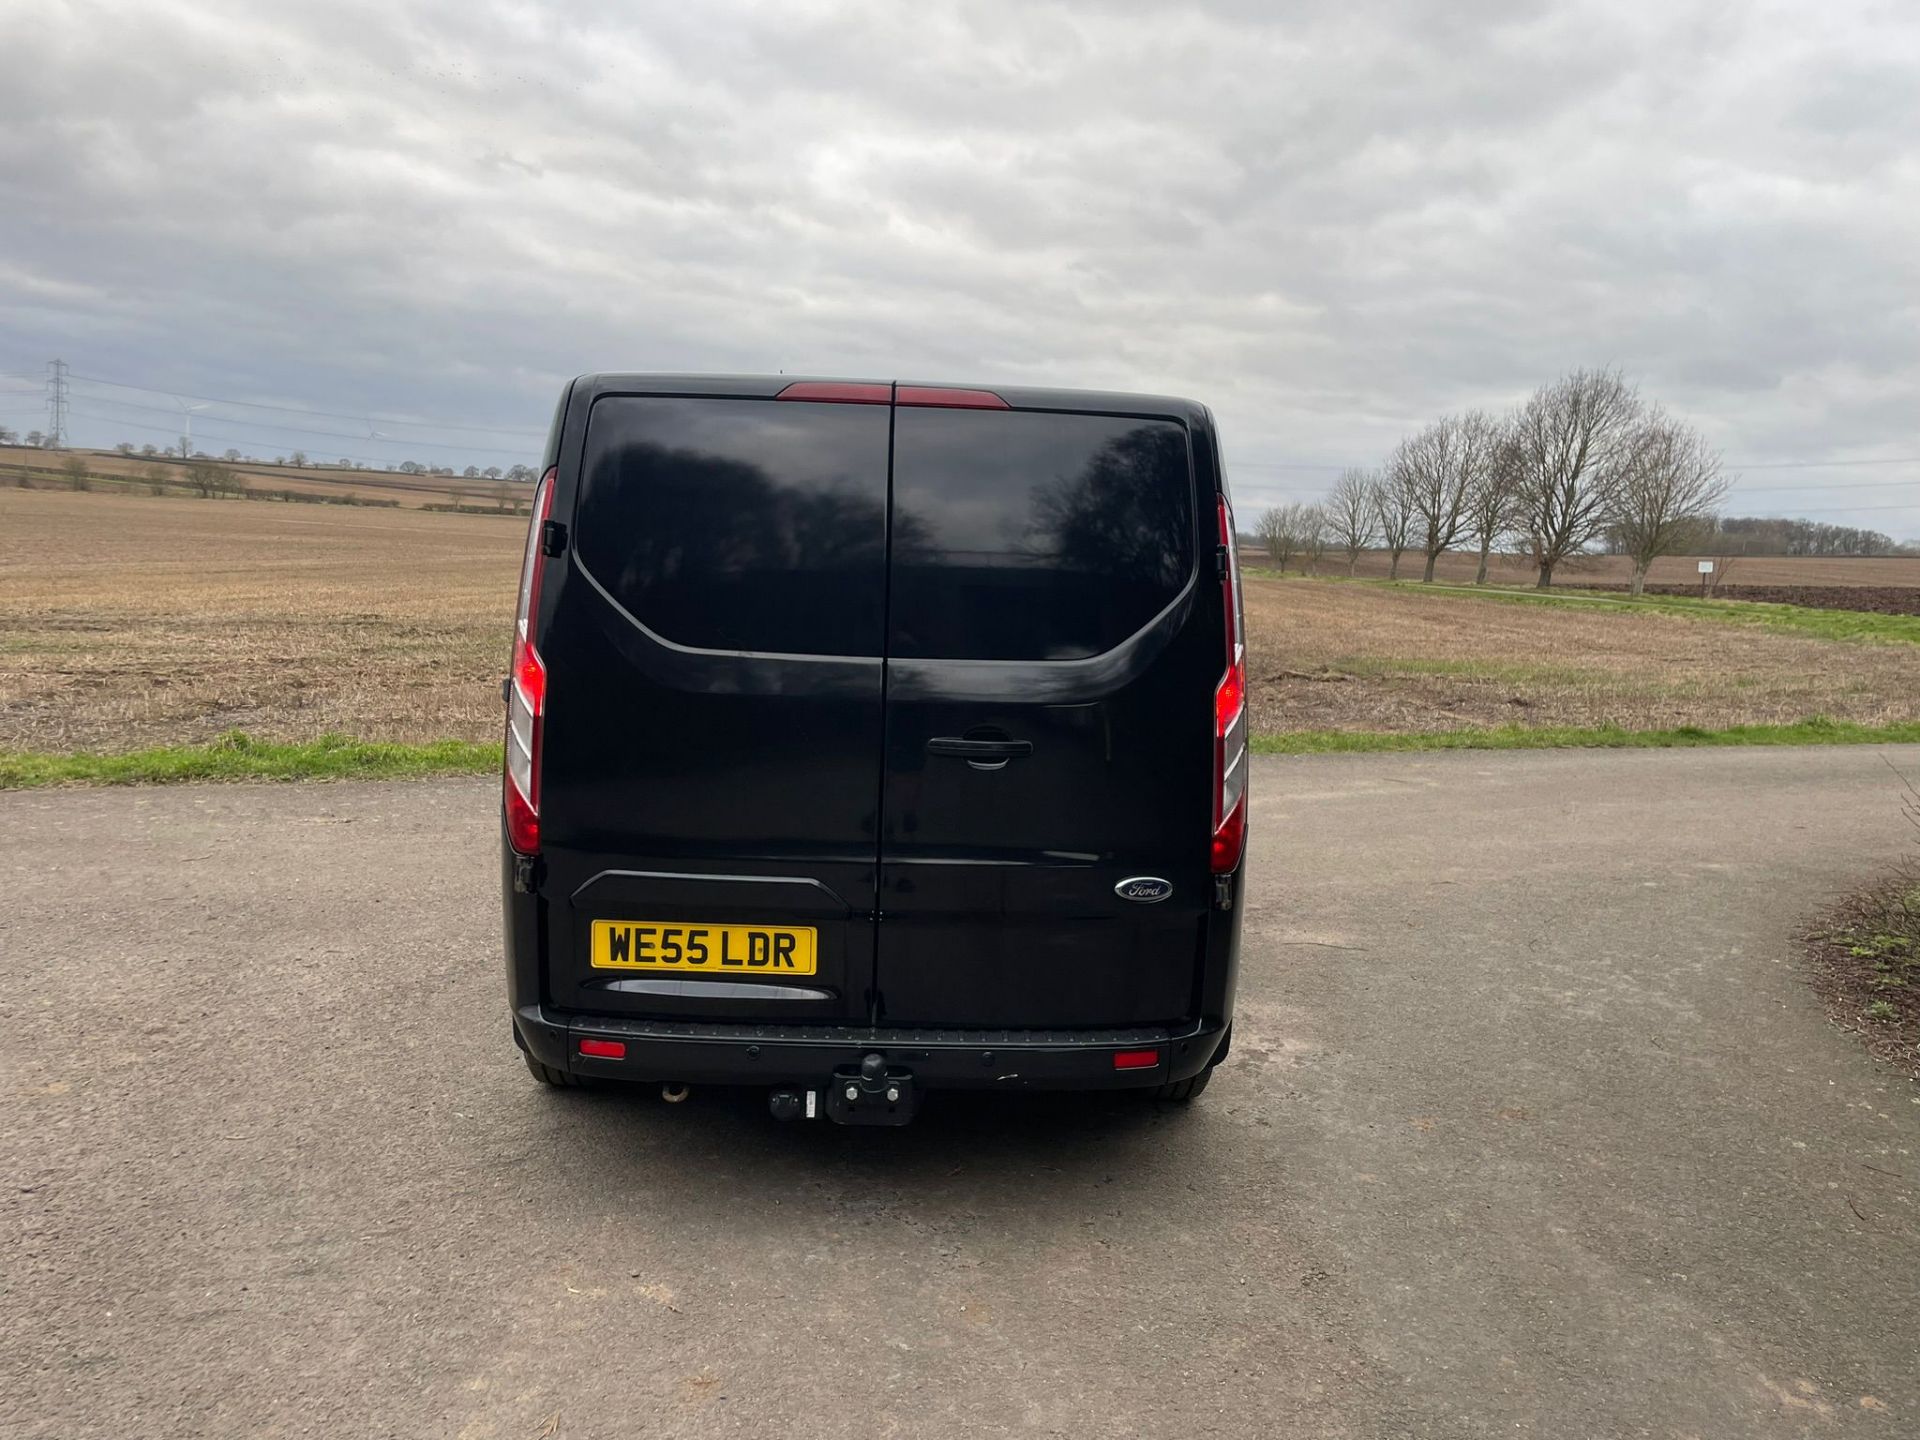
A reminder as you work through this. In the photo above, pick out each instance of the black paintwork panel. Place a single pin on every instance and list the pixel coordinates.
(734, 732)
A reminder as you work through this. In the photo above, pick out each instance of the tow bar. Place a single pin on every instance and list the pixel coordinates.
(872, 1095)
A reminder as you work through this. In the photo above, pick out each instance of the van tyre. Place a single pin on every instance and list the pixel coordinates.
(547, 1075)
(1181, 1091)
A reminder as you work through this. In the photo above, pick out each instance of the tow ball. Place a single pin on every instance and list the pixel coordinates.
(874, 1094)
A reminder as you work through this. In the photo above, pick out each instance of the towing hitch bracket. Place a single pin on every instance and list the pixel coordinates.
(875, 1094)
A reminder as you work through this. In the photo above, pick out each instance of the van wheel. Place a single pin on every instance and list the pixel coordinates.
(547, 1075)
(1181, 1091)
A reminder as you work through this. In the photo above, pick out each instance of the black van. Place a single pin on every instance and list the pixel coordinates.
(869, 738)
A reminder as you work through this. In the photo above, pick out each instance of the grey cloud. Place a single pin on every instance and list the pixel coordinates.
(1329, 220)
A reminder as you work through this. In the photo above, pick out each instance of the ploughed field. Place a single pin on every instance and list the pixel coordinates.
(130, 620)
(1358, 657)
(1828, 576)
(115, 473)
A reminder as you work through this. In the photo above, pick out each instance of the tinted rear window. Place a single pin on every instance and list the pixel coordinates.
(1027, 536)
(740, 524)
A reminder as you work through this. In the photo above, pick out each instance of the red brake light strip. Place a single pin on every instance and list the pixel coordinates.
(940, 398)
(838, 392)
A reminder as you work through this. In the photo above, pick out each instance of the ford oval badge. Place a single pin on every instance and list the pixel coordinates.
(1144, 888)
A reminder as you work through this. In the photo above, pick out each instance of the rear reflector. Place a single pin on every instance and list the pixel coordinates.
(1135, 1059)
(837, 392)
(604, 1049)
(933, 395)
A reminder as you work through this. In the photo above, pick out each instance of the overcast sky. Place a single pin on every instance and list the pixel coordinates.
(1330, 221)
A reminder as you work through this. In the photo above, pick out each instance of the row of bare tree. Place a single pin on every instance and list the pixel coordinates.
(1584, 458)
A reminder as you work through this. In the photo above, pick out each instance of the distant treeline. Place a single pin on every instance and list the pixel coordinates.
(1764, 535)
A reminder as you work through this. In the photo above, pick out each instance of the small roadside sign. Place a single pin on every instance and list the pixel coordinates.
(1706, 567)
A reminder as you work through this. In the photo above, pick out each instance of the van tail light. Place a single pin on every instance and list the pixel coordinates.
(1230, 716)
(527, 688)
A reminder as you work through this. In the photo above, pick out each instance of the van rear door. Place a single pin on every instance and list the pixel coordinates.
(1052, 657)
(713, 724)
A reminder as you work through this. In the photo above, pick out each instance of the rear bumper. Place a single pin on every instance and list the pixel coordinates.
(724, 1054)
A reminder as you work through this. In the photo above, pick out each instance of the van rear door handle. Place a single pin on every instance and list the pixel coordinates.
(979, 749)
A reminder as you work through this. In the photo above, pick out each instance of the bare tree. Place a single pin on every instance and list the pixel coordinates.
(1722, 567)
(7, 437)
(1572, 443)
(1670, 486)
(185, 447)
(1313, 530)
(1489, 513)
(1437, 469)
(1278, 532)
(75, 468)
(1393, 514)
(1351, 523)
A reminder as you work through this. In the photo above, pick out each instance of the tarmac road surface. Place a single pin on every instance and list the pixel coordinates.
(1531, 1128)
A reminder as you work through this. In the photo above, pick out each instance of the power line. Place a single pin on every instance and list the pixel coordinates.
(1822, 489)
(299, 430)
(1844, 509)
(174, 431)
(1287, 465)
(1819, 464)
(1734, 464)
(308, 410)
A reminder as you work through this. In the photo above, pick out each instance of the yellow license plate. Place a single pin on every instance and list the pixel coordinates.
(693, 949)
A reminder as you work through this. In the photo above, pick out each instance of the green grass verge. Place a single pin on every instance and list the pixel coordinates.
(1815, 731)
(1857, 625)
(237, 756)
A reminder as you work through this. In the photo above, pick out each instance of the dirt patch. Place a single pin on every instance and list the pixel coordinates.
(1864, 959)
(1872, 599)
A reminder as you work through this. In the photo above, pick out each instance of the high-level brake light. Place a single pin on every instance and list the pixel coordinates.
(527, 688)
(1230, 716)
(942, 398)
(862, 392)
(838, 392)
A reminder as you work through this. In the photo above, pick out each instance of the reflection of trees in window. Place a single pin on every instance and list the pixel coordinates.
(682, 515)
(716, 551)
(1124, 515)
